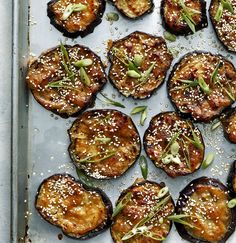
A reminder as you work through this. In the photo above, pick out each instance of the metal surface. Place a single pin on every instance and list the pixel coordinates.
(40, 138)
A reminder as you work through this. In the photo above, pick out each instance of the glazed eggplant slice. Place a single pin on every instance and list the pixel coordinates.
(222, 14)
(183, 17)
(139, 63)
(174, 144)
(80, 211)
(143, 216)
(228, 120)
(134, 9)
(65, 79)
(104, 143)
(204, 204)
(201, 85)
(232, 177)
(75, 17)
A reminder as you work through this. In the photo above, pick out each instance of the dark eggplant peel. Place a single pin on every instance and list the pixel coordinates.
(174, 144)
(228, 120)
(183, 17)
(80, 211)
(203, 205)
(139, 63)
(134, 9)
(232, 177)
(65, 79)
(104, 143)
(141, 213)
(75, 17)
(223, 18)
(201, 85)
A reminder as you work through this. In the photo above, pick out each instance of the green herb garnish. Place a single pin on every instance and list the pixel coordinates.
(110, 101)
(103, 139)
(208, 160)
(224, 4)
(232, 203)
(122, 204)
(138, 60)
(163, 192)
(143, 166)
(89, 159)
(204, 86)
(168, 36)
(196, 141)
(172, 140)
(133, 74)
(84, 77)
(143, 111)
(228, 92)
(215, 125)
(147, 73)
(215, 72)
(179, 219)
(84, 178)
(112, 16)
(73, 8)
(84, 62)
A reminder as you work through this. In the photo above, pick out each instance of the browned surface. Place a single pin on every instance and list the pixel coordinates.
(65, 203)
(77, 21)
(49, 68)
(144, 198)
(158, 135)
(153, 49)
(225, 28)
(209, 213)
(193, 100)
(133, 8)
(124, 142)
(229, 125)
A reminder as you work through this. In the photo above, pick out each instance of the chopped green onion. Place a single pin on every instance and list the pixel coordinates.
(143, 111)
(143, 166)
(112, 16)
(163, 192)
(215, 72)
(204, 86)
(138, 59)
(84, 178)
(215, 125)
(132, 66)
(190, 24)
(84, 77)
(143, 117)
(229, 93)
(103, 140)
(168, 36)
(147, 73)
(133, 74)
(232, 203)
(89, 158)
(73, 8)
(174, 148)
(122, 204)
(111, 102)
(219, 12)
(178, 219)
(208, 160)
(84, 62)
(196, 141)
(228, 5)
(173, 51)
(186, 154)
(172, 140)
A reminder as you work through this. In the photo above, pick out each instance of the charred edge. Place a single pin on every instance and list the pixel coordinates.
(172, 73)
(93, 96)
(231, 177)
(110, 58)
(71, 146)
(185, 30)
(90, 28)
(104, 226)
(183, 197)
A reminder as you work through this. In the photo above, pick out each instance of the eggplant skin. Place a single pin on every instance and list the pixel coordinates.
(231, 180)
(228, 120)
(181, 28)
(224, 29)
(89, 29)
(182, 201)
(65, 102)
(132, 214)
(161, 129)
(213, 106)
(154, 49)
(106, 201)
(132, 11)
(124, 141)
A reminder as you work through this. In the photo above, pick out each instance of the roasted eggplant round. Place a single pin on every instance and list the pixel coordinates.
(104, 143)
(222, 14)
(204, 204)
(142, 213)
(139, 63)
(228, 120)
(174, 144)
(183, 17)
(201, 85)
(80, 211)
(65, 79)
(134, 9)
(75, 17)
(232, 177)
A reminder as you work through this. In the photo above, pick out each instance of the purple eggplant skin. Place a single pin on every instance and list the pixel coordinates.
(231, 180)
(150, 10)
(104, 197)
(183, 197)
(185, 30)
(172, 72)
(90, 28)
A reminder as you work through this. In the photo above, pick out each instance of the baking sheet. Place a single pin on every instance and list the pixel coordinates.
(40, 140)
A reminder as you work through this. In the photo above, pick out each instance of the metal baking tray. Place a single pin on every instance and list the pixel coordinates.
(40, 140)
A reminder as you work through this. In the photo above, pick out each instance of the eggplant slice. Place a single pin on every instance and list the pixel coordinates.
(204, 202)
(75, 17)
(144, 197)
(60, 85)
(104, 143)
(201, 85)
(139, 63)
(80, 211)
(232, 178)
(225, 25)
(134, 9)
(174, 144)
(228, 120)
(174, 17)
